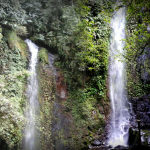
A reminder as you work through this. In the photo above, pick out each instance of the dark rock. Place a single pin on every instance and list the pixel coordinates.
(120, 147)
(140, 107)
(133, 137)
(96, 143)
(135, 100)
(144, 98)
(107, 128)
(107, 137)
(101, 140)
(110, 146)
(146, 76)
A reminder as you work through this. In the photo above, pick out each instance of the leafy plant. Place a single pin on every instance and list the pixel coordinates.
(13, 77)
(43, 56)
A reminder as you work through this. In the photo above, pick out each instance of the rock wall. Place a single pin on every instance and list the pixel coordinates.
(139, 97)
(59, 129)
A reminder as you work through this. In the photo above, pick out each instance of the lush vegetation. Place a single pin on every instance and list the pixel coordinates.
(12, 85)
(137, 47)
(78, 31)
(83, 58)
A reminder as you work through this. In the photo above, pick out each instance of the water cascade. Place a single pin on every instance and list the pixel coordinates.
(117, 78)
(31, 135)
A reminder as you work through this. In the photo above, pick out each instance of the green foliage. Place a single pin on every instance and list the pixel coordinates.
(86, 52)
(21, 31)
(43, 56)
(83, 58)
(11, 60)
(146, 133)
(13, 78)
(84, 111)
(16, 43)
(11, 112)
(80, 31)
(137, 40)
(12, 14)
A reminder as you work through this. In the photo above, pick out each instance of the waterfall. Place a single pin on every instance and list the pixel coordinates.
(32, 109)
(118, 134)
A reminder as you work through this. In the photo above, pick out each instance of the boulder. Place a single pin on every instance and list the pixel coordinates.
(96, 143)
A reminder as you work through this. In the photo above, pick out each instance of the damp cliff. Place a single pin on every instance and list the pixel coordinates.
(59, 127)
(71, 105)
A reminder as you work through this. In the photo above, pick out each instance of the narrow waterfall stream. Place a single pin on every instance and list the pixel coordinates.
(117, 81)
(32, 108)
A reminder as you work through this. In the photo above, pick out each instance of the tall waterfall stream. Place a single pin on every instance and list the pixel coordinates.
(117, 82)
(31, 133)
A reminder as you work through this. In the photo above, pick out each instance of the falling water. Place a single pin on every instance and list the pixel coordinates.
(31, 134)
(120, 116)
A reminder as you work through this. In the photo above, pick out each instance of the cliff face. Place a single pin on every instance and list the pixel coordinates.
(141, 100)
(59, 127)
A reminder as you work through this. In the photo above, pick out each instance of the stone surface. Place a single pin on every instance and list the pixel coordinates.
(120, 147)
(141, 110)
(143, 64)
(96, 143)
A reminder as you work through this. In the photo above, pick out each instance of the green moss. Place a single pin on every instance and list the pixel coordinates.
(17, 42)
(43, 56)
(136, 86)
(46, 97)
(32, 38)
(86, 117)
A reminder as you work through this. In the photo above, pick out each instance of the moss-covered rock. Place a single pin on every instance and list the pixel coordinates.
(46, 97)
(60, 127)
(17, 42)
(43, 56)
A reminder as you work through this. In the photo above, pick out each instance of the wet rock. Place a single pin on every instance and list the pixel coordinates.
(100, 148)
(135, 100)
(110, 146)
(120, 147)
(104, 147)
(146, 76)
(107, 137)
(108, 127)
(90, 146)
(133, 137)
(96, 143)
(140, 107)
(141, 111)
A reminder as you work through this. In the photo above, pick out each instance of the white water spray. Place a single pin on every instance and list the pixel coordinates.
(31, 134)
(117, 79)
